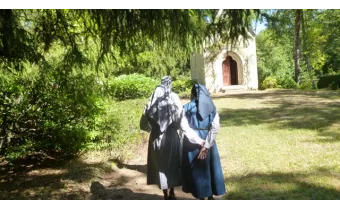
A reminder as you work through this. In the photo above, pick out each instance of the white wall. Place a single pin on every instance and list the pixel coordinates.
(248, 54)
(197, 67)
(210, 73)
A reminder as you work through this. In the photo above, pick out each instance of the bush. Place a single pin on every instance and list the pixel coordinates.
(132, 86)
(185, 94)
(286, 83)
(118, 124)
(179, 86)
(305, 85)
(64, 120)
(269, 82)
(325, 81)
(333, 86)
(43, 111)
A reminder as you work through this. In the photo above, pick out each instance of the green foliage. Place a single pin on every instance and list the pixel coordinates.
(269, 82)
(57, 68)
(118, 124)
(185, 94)
(64, 121)
(334, 85)
(305, 85)
(132, 86)
(325, 81)
(156, 62)
(30, 32)
(315, 39)
(223, 29)
(313, 36)
(182, 85)
(47, 110)
(26, 34)
(286, 83)
(330, 20)
(274, 56)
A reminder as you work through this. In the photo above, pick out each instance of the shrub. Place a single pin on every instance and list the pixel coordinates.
(333, 86)
(286, 82)
(325, 81)
(269, 82)
(185, 94)
(118, 124)
(46, 112)
(179, 86)
(307, 84)
(132, 86)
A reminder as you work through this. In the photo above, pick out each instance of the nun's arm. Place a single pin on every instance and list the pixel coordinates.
(189, 132)
(215, 127)
(184, 125)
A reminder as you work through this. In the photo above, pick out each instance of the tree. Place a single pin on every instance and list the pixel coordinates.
(306, 45)
(297, 46)
(331, 44)
(273, 56)
(307, 34)
(53, 64)
(26, 34)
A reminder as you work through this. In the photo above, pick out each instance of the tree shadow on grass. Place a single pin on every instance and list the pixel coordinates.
(329, 136)
(287, 113)
(281, 186)
(48, 179)
(281, 117)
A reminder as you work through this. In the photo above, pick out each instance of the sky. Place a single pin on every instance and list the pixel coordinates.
(259, 27)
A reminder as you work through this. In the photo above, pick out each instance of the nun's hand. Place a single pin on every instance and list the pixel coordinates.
(203, 153)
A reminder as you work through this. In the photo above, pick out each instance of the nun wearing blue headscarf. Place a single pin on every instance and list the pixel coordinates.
(201, 169)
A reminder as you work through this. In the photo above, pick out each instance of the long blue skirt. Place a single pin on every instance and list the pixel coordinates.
(202, 178)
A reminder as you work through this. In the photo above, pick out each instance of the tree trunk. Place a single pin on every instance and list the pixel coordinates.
(310, 68)
(3, 133)
(297, 45)
(306, 51)
(2, 140)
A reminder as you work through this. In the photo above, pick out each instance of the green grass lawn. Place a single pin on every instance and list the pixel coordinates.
(280, 144)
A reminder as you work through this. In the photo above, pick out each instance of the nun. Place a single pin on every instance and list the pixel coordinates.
(201, 170)
(165, 115)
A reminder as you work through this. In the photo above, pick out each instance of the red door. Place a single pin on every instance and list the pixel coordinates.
(226, 71)
(233, 72)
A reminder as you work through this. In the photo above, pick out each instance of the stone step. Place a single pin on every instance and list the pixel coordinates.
(233, 87)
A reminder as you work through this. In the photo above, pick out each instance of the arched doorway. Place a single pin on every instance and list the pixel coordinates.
(229, 70)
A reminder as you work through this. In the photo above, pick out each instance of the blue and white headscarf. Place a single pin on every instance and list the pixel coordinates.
(162, 107)
(166, 84)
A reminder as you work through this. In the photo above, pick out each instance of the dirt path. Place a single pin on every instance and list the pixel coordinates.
(128, 181)
(86, 178)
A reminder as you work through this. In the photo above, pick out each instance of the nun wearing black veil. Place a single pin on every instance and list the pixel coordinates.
(202, 171)
(165, 115)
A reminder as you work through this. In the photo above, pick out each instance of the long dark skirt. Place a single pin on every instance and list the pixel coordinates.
(202, 178)
(163, 164)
